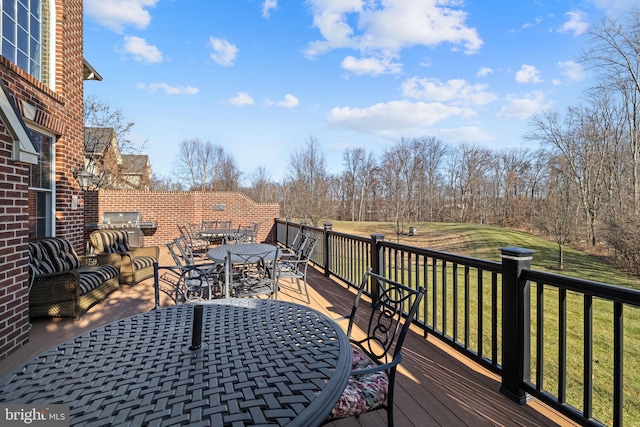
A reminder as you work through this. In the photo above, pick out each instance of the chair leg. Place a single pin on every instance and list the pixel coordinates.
(306, 290)
(390, 399)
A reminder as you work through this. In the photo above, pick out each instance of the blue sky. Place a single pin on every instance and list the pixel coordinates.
(261, 77)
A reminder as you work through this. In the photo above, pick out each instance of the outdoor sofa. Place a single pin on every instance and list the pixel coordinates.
(136, 264)
(62, 284)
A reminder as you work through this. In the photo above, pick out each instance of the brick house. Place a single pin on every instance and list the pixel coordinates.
(41, 143)
(111, 169)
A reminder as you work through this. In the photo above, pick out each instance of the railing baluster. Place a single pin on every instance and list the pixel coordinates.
(618, 363)
(480, 313)
(539, 337)
(588, 357)
(562, 345)
(434, 293)
(455, 303)
(444, 298)
(494, 317)
(467, 304)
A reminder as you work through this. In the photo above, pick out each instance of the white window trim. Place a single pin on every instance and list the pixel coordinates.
(23, 150)
(53, 190)
(52, 43)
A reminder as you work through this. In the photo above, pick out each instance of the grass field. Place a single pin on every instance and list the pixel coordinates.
(484, 242)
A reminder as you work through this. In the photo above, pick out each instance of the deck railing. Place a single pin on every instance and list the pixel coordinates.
(534, 329)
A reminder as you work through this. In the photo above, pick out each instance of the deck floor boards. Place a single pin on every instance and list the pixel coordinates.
(435, 385)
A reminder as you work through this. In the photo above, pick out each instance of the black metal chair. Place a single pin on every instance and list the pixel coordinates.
(197, 245)
(252, 275)
(296, 268)
(377, 349)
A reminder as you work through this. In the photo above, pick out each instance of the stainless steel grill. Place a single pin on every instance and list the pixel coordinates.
(131, 222)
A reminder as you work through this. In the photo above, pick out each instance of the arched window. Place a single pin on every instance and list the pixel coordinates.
(25, 34)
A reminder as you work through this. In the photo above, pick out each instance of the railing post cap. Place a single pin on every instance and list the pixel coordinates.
(516, 252)
(378, 236)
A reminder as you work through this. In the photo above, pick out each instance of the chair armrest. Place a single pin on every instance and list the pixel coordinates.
(153, 251)
(55, 287)
(378, 368)
(100, 259)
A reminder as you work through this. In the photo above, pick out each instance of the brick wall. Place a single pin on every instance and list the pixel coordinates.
(169, 209)
(58, 112)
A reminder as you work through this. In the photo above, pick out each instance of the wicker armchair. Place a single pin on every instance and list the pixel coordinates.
(64, 284)
(136, 263)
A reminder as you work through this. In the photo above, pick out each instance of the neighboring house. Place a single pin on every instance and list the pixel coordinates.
(42, 73)
(135, 173)
(111, 169)
(102, 156)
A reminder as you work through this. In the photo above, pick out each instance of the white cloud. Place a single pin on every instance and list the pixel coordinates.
(168, 89)
(528, 74)
(389, 26)
(117, 14)
(373, 66)
(142, 51)
(572, 70)
(268, 6)
(289, 101)
(484, 72)
(615, 7)
(241, 99)
(456, 90)
(525, 106)
(393, 117)
(576, 24)
(224, 53)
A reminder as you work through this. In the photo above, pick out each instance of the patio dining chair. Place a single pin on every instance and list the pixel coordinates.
(376, 350)
(296, 244)
(252, 275)
(188, 283)
(296, 268)
(197, 245)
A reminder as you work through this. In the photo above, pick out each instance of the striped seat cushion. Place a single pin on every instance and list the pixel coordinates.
(94, 276)
(52, 255)
(143, 262)
(110, 241)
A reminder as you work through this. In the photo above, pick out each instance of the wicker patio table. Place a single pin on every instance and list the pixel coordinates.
(261, 362)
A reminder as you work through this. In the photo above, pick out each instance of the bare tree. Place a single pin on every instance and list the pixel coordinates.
(557, 214)
(228, 174)
(356, 180)
(466, 174)
(434, 152)
(584, 137)
(205, 166)
(308, 184)
(614, 52)
(262, 188)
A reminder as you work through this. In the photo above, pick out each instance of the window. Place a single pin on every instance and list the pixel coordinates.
(41, 187)
(22, 28)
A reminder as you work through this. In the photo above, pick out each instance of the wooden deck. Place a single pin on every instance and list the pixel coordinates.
(435, 386)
